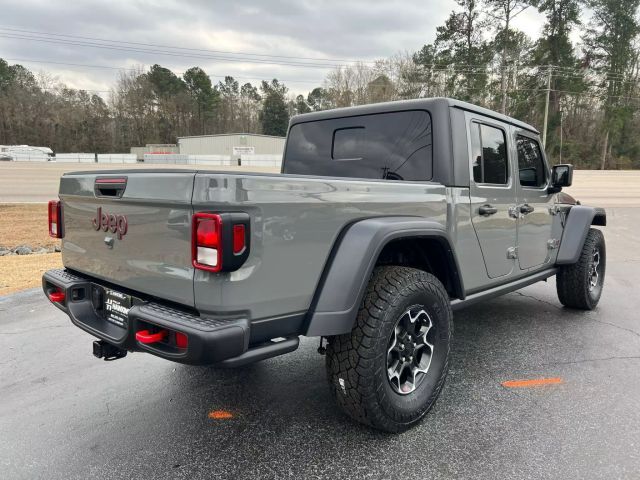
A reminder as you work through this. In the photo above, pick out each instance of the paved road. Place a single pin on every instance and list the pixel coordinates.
(38, 182)
(64, 414)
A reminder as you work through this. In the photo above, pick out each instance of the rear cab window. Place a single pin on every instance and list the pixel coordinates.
(390, 146)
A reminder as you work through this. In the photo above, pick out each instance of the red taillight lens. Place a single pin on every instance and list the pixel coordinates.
(208, 233)
(55, 219)
(206, 249)
(239, 239)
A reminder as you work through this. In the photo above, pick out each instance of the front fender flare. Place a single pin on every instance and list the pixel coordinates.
(579, 220)
(346, 275)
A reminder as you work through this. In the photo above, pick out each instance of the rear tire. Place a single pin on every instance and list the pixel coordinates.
(580, 285)
(405, 314)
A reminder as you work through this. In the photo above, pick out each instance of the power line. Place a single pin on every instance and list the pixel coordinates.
(13, 29)
(133, 69)
(166, 53)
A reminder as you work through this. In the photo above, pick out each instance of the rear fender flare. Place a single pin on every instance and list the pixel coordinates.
(348, 270)
(579, 220)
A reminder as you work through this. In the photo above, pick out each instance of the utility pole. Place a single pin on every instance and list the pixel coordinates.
(561, 112)
(546, 109)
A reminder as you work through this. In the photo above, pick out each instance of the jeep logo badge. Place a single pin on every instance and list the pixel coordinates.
(110, 222)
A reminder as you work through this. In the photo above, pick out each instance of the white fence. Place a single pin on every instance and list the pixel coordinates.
(117, 158)
(181, 159)
(172, 158)
(75, 158)
(220, 160)
(257, 160)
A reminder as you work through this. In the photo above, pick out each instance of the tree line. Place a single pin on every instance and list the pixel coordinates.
(586, 92)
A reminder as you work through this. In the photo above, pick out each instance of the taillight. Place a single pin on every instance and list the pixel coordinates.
(207, 248)
(220, 241)
(55, 219)
(239, 239)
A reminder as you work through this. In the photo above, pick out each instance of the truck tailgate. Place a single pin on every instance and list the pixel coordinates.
(140, 241)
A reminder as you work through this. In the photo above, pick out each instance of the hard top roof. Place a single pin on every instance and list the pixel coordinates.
(416, 104)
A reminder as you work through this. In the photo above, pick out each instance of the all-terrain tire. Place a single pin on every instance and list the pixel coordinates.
(574, 283)
(357, 362)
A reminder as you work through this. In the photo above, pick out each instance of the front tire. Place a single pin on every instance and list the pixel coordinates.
(388, 372)
(580, 285)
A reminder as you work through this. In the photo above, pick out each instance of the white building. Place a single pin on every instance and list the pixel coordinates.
(232, 144)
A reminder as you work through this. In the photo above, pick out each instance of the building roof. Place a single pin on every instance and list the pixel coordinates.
(232, 135)
(419, 104)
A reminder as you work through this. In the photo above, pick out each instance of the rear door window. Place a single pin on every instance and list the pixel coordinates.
(531, 167)
(392, 146)
(489, 154)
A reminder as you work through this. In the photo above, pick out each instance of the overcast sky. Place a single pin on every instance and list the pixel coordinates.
(328, 30)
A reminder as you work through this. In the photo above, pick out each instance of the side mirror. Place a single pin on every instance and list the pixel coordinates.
(561, 176)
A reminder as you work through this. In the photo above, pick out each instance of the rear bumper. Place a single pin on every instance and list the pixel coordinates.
(210, 340)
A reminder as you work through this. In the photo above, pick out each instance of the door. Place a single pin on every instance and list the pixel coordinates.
(535, 206)
(492, 190)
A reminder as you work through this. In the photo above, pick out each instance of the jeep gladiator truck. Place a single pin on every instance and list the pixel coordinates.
(384, 220)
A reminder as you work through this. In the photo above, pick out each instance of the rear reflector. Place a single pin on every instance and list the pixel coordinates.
(55, 219)
(181, 340)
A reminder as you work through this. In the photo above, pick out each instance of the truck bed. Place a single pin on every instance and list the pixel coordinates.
(295, 221)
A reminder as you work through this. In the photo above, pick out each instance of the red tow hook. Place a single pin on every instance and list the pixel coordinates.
(144, 336)
(57, 296)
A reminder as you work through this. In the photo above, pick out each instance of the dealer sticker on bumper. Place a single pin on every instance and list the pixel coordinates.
(116, 307)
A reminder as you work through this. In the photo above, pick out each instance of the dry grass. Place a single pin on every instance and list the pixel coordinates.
(25, 224)
(19, 272)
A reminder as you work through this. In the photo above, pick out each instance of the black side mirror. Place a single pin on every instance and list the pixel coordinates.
(561, 176)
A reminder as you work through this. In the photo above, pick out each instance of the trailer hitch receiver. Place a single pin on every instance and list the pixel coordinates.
(102, 349)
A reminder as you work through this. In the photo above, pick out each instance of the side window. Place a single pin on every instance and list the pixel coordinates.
(531, 167)
(489, 154)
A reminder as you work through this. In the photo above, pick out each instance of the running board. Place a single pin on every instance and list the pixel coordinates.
(502, 289)
(262, 352)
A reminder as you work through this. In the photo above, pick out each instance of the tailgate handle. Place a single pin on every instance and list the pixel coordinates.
(112, 187)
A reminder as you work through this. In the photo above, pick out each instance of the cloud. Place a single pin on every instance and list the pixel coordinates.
(329, 29)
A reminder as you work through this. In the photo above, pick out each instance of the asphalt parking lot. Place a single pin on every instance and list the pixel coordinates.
(64, 414)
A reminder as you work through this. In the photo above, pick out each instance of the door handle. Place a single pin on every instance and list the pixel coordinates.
(486, 210)
(526, 209)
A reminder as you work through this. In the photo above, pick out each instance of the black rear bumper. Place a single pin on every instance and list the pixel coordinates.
(210, 340)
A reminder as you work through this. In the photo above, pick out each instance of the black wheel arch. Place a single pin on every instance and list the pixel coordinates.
(579, 219)
(359, 248)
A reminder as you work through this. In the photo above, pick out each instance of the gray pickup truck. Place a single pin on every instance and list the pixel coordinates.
(385, 219)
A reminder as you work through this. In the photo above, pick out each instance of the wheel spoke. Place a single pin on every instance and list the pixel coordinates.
(594, 274)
